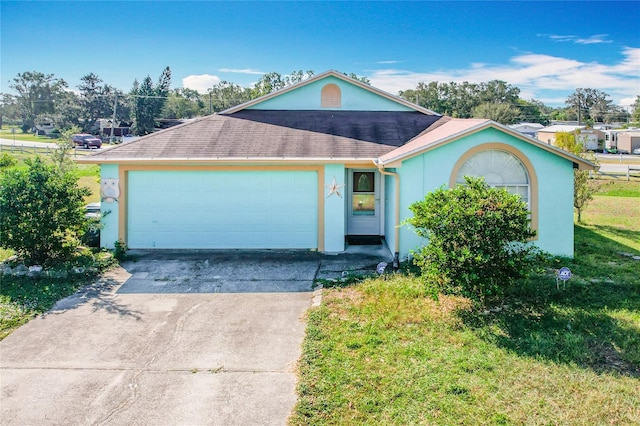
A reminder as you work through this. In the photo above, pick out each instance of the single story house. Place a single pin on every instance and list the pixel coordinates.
(529, 129)
(314, 163)
(590, 137)
(628, 141)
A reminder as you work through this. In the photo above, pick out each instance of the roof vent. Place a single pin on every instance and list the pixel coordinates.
(331, 96)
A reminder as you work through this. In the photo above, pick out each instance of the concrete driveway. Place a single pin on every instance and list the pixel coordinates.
(173, 338)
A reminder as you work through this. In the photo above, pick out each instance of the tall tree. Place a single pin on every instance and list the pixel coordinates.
(427, 95)
(67, 114)
(360, 78)
(98, 100)
(273, 81)
(635, 115)
(37, 94)
(162, 91)
(148, 101)
(589, 104)
(297, 77)
(498, 92)
(269, 82)
(8, 108)
(226, 95)
(183, 103)
(616, 114)
(534, 111)
(502, 113)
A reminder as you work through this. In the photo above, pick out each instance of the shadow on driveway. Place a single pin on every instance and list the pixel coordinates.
(238, 271)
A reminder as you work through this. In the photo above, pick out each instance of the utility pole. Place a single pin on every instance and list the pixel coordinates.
(113, 121)
(579, 107)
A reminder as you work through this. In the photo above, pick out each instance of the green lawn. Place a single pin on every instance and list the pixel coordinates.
(5, 133)
(619, 189)
(89, 174)
(380, 352)
(23, 298)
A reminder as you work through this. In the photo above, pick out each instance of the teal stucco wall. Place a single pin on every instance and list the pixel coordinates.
(334, 209)
(308, 97)
(426, 172)
(109, 231)
(390, 211)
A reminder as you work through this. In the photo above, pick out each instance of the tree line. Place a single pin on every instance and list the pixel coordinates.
(43, 98)
(501, 102)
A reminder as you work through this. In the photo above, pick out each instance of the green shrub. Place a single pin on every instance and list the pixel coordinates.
(478, 239)
(7, 161)
(120, 250)
(42, 212)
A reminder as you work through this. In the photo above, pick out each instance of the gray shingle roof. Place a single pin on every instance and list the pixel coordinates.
(280, 134)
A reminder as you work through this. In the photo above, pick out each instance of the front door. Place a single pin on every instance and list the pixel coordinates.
(364, 203)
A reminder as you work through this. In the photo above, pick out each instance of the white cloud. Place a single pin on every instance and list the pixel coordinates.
(242, 71)
(200, 82)
(594, 39)
(387, 62)
(537, 75)
(628, 102)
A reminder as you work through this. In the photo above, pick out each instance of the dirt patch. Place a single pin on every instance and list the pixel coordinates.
(608, 359)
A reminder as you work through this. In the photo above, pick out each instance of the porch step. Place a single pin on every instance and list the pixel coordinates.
(364, 240)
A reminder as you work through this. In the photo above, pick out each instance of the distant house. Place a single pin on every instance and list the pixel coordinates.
(611, 138)
(44, 129)
(529, 129)
(590, 137)
(104, 128)
(317, 165)
(628, 141)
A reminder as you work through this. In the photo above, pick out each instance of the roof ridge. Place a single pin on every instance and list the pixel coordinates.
(441, 121)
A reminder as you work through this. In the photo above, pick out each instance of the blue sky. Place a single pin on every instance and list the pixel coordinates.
(547, 49)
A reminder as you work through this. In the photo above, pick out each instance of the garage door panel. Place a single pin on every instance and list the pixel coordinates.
(207, 209)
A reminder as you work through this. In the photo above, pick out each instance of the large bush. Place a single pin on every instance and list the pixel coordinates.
(7, 161)
(478, 239)
(41, 212)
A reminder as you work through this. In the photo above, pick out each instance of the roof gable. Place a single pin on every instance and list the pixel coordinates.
(306, 95)
(455, 129)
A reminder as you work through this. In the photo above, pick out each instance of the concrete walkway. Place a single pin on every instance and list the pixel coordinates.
(166, 340)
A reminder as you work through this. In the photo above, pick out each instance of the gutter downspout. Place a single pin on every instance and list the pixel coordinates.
(396, 254)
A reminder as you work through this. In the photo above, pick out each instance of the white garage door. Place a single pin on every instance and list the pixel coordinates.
(222, 209)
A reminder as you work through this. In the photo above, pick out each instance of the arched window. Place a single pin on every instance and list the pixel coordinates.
(499, 169)
(501, 166)
(331, 96)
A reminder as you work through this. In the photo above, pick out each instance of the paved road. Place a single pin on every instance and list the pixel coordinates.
(619, 168)
(42, 145)
(159, 342)
(28, 144)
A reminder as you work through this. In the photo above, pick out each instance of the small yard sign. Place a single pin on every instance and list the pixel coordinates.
(564, 274)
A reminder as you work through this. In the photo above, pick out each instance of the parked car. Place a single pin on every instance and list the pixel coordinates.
(86, 140)
(636, 151)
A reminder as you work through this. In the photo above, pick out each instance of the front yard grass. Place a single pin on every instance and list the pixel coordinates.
(23, 298)
(381, 352)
